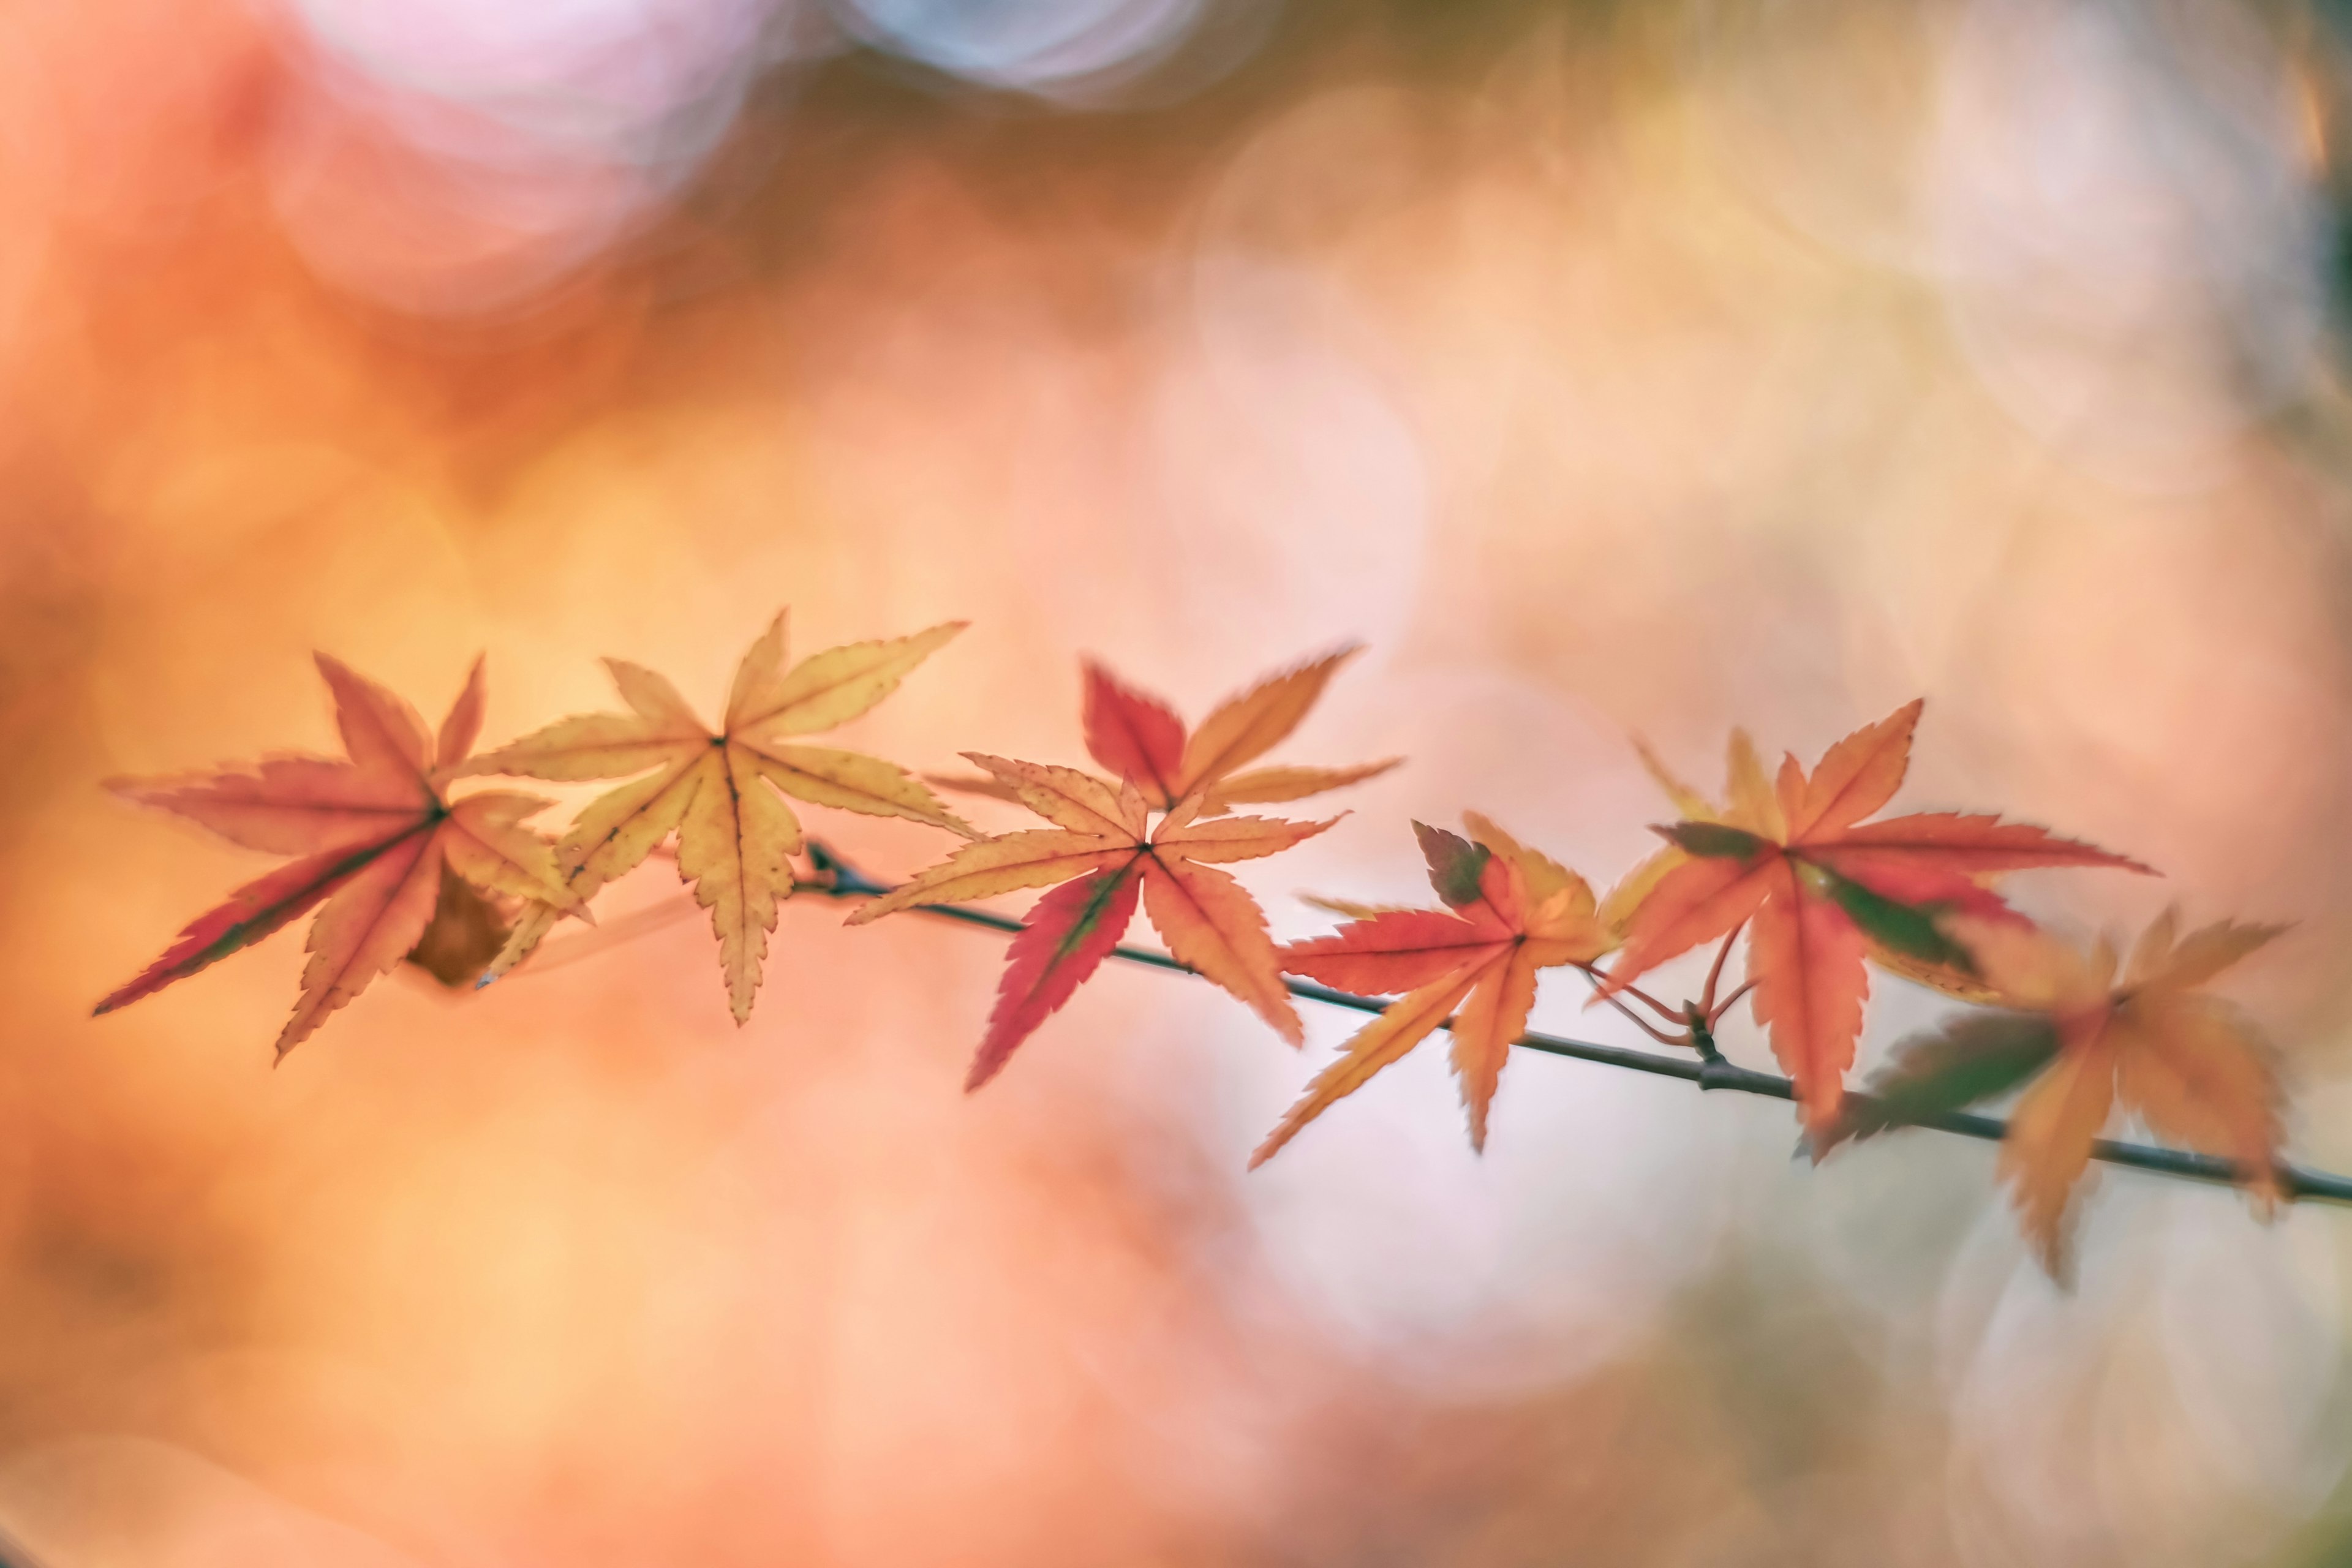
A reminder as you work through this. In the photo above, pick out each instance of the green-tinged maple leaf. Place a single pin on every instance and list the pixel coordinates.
(1967, 1058)
(721, 791)
(1819, 890)
(380, 844)
(1103, 851)
(1753, 809)
(1510, 913)
(2150, 1041)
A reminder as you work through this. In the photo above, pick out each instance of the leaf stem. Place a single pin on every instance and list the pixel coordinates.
(1714, 971)
(841, 881)
(1716, 1015)
(1600, 976)
(1647, 1027)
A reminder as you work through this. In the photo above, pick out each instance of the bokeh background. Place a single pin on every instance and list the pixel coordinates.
(1649, 366)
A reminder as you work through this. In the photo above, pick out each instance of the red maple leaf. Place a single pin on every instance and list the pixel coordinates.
(1815, 885)
(1510, 911)
(1103, 850)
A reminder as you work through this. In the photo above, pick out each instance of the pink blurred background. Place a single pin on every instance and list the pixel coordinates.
(1656, 367)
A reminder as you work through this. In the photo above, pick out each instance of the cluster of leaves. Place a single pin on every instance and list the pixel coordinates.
(398, 865)
(405, 868)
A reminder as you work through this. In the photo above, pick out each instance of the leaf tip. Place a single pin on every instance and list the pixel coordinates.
(1279, 1139)
(1284, 1019)
(1821, 1111)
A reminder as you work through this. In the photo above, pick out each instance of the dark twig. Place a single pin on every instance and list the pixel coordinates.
(1710, 1072)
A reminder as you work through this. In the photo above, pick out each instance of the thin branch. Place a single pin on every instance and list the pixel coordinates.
(2295, 1182)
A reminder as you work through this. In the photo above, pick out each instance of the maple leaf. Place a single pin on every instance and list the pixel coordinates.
(1103, 852)
(1817, 889)
(2149, 1040)
(1748, 804)
(1752, 805)
(718, 790)
(378, 840)
(1967, 1058)
(1510, 911)
(1139, 738)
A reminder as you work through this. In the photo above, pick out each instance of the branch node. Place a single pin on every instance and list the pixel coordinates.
(1713, 1071)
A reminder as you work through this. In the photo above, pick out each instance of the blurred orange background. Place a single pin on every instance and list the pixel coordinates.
(1649, 366)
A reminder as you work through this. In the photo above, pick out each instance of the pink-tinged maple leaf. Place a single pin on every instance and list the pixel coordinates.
(1103, 849)
(375, 835)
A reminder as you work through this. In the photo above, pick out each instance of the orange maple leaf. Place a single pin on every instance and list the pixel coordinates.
(1748, 794)
(1815, 884)
(717, 789)
(1104, 851)
(1752, 805)
(2193, 1068)
(2188, 1064)
(377, 837)
(1510, 911)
